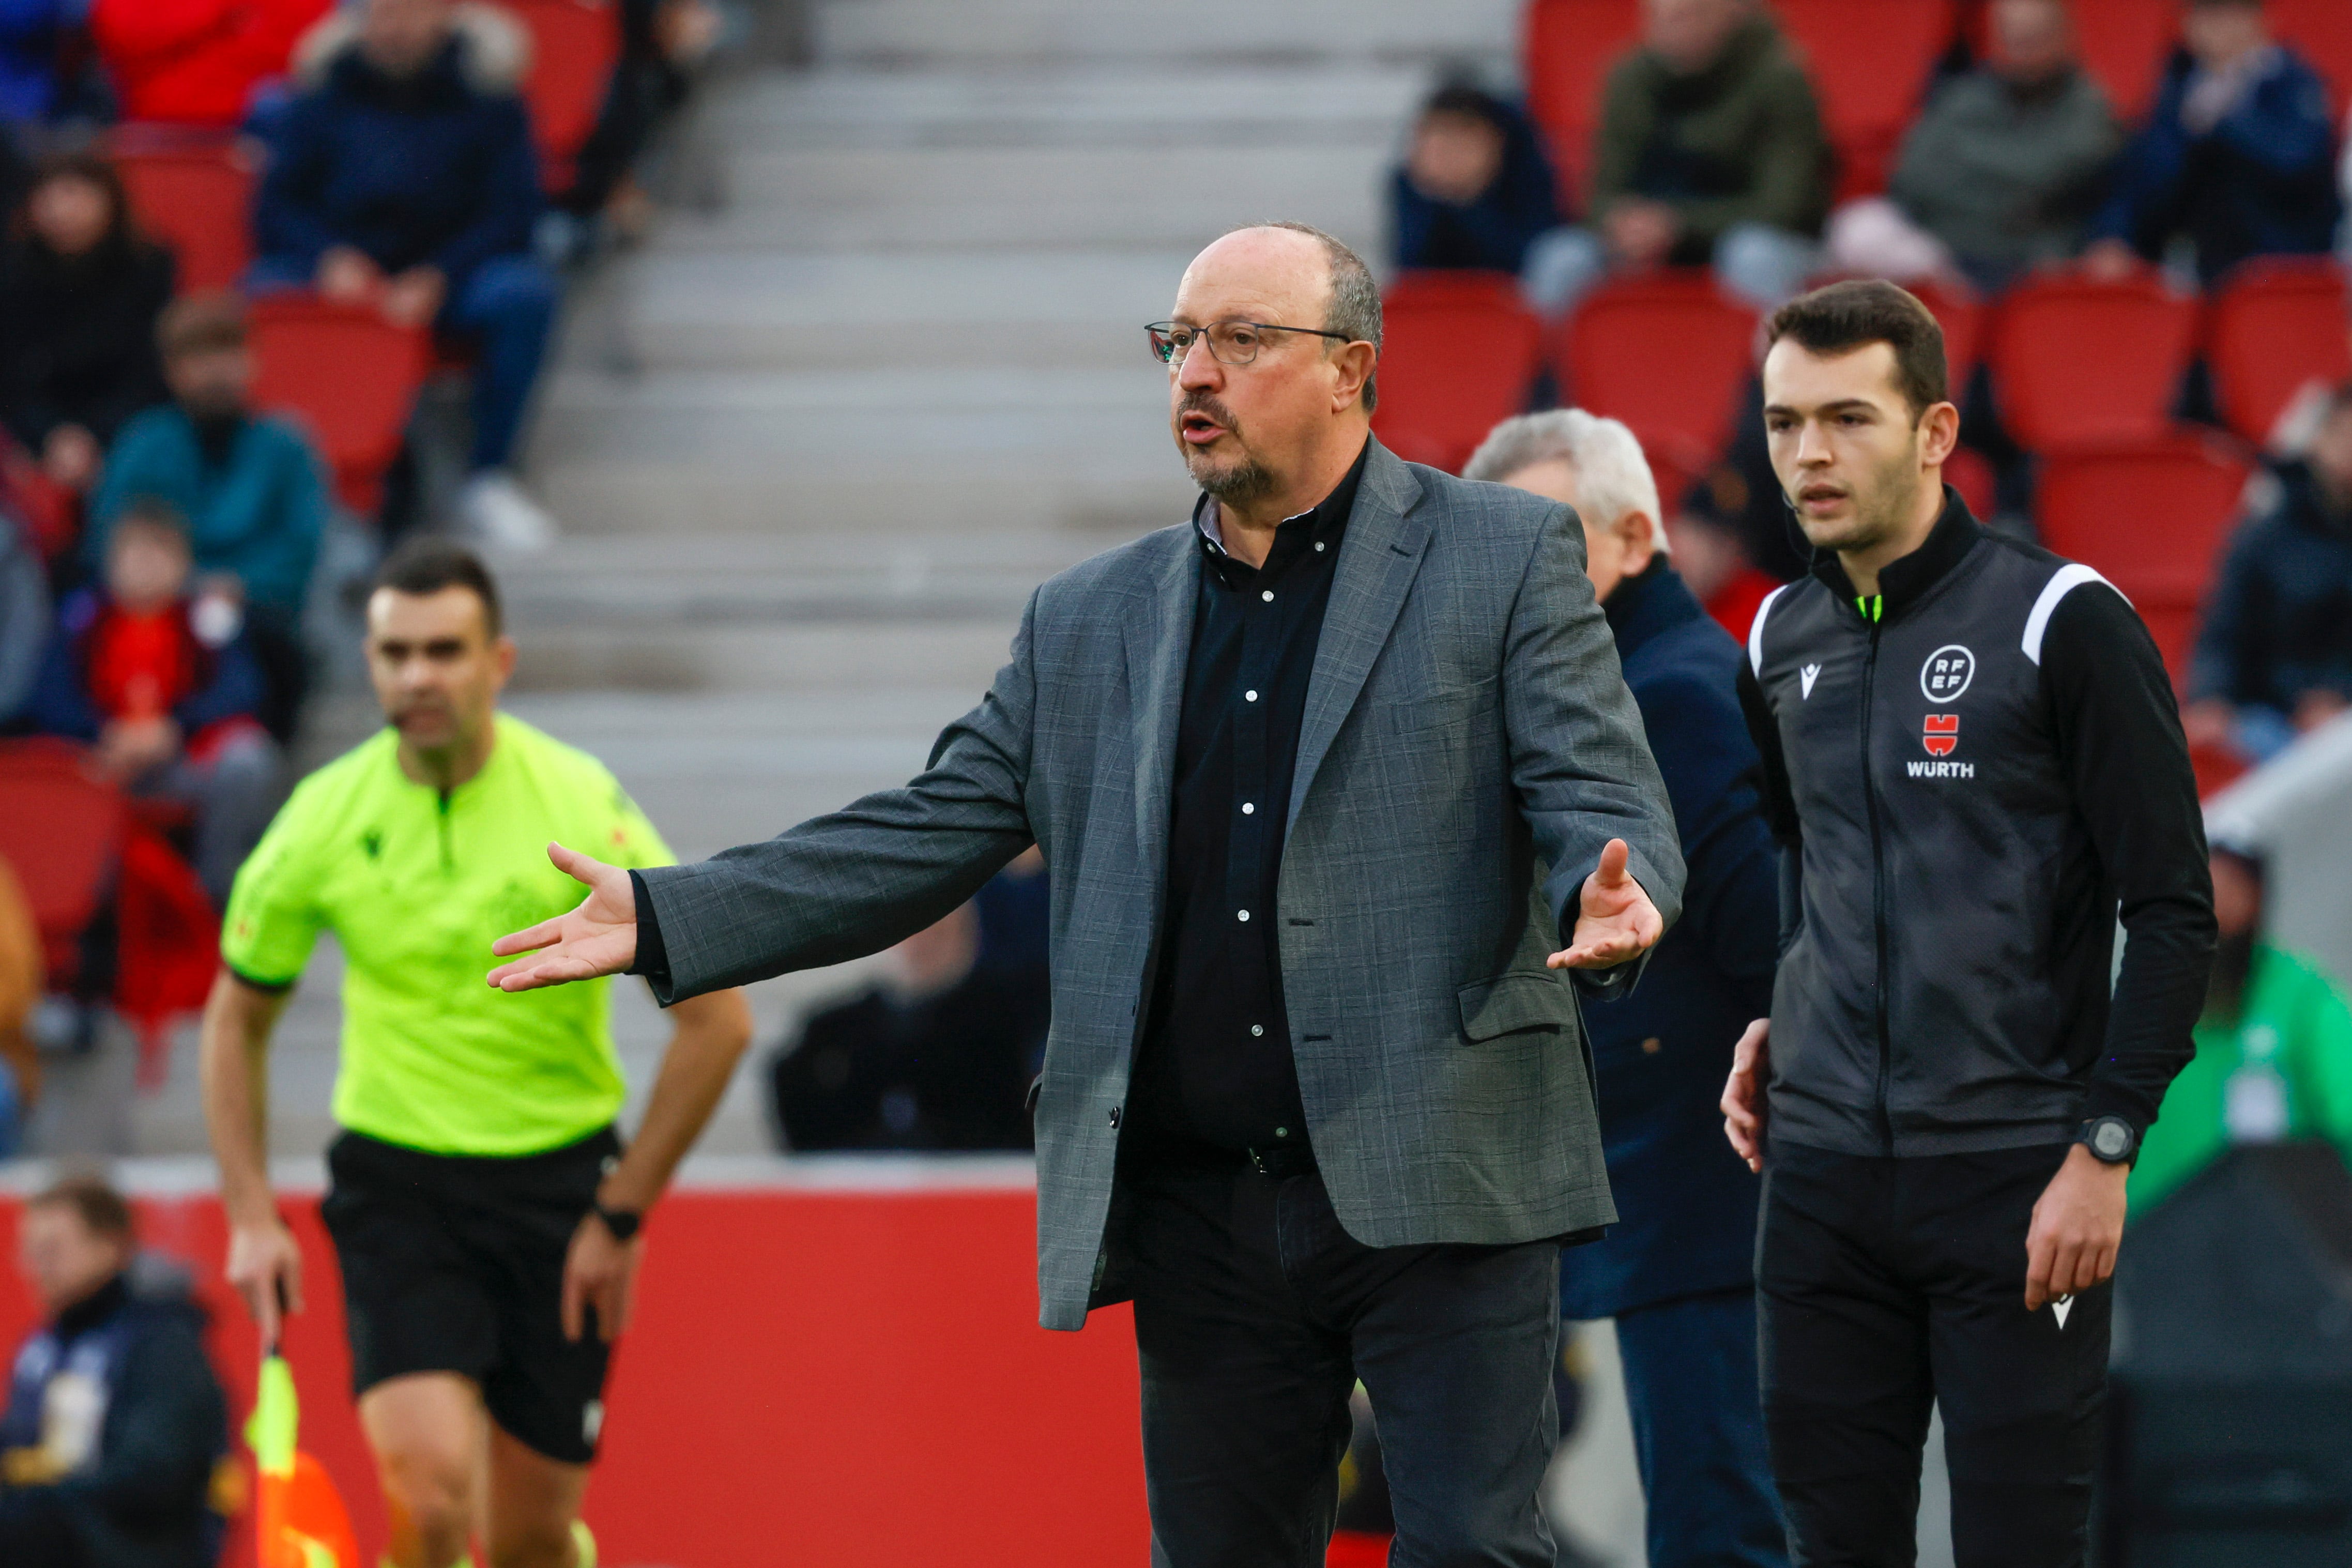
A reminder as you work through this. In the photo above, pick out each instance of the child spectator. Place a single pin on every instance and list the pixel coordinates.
(2274, 655)
(1475, 188)
(161, 683)
(250, 487)
(404, 176)
(79, 293)
(116, 1426)
(196, 62)
(2238, 159)
(1710, 150)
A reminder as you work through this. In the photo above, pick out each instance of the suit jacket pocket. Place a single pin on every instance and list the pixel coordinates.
(1441, 707)
(1508, 1003)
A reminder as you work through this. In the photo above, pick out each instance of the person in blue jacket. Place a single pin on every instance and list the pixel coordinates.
(403, 175)
(116, 1426)
(1677, 1270)
(2239, 155)
(1475, 188)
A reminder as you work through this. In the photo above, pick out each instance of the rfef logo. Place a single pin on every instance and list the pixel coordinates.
(1943, 735)
(1947, 673)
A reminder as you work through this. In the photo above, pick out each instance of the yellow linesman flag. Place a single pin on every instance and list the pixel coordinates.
(300, 1518)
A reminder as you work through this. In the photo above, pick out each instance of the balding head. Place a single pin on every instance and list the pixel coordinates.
(1265, 417)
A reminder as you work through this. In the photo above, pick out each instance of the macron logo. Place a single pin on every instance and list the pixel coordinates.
(2060, 1308)
(1808, 675)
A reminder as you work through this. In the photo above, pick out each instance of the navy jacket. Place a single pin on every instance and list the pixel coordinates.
(140, 1497)
(1491, 233)
(2261, 183)
(2279, 623)
(228, 682)
(1686, 1203)
(428, 169)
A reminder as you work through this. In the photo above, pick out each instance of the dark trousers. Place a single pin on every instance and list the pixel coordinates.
(35, 1530)
(1699, 1433)
(1889, 1285)
(1254, 1316)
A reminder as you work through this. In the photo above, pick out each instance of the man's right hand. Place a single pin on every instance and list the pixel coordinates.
(265, 1265)
(1743, 1095)
(346, 274)
(600, 937)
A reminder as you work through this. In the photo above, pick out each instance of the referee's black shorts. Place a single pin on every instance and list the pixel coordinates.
(454, 1264)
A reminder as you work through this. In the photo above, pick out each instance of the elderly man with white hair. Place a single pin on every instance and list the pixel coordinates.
(1675, 1271)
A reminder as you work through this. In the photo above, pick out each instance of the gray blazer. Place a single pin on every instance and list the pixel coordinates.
(1466, 728)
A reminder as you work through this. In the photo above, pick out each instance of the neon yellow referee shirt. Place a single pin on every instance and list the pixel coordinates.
(415, 886)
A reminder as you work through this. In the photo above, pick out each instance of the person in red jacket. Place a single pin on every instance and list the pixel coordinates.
(196, 62)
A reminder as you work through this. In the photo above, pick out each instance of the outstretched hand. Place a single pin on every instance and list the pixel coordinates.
(1615, 919)
(600, 937)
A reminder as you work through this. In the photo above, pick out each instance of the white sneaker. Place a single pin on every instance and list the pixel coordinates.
(499, 513)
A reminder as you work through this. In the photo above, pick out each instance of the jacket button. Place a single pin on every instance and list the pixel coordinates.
(1114, 1115)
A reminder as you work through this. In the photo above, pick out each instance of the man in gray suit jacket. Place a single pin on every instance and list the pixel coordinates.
(1318, 777)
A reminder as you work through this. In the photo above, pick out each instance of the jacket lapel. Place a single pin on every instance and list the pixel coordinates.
(1377, 558)
(1158, 632)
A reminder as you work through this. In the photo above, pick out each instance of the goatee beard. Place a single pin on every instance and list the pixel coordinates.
(1244, 482)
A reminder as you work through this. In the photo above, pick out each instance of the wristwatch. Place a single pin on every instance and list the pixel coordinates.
(2111, 1140)
(622, 1222)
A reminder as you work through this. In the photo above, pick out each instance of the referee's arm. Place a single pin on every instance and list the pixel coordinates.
(264, 1264)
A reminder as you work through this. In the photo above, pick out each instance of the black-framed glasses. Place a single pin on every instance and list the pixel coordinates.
(1230, 342)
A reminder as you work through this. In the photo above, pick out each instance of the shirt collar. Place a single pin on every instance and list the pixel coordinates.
(1900, 582)
(1641, 607)
(1324, 523)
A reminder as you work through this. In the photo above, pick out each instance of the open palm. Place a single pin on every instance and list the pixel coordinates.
(599, 937)
(1615, 920)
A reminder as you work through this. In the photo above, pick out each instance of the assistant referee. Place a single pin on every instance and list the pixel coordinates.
(1974, 764)
(484, 1211)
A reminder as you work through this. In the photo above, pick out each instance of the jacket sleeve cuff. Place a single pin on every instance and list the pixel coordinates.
(2107, 1098)
(652, 961)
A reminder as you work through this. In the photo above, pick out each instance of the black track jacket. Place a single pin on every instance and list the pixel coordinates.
(1969, 777)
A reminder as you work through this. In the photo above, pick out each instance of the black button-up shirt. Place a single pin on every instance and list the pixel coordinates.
(1214, 1077)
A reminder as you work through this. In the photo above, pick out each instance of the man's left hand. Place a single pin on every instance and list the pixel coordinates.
(1615, 920)
(601, 1272)
(2078, 1226)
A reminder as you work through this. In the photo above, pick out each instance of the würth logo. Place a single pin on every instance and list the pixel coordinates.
(1943, 735)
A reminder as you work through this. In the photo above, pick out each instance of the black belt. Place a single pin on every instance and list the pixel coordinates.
(1284, 1161)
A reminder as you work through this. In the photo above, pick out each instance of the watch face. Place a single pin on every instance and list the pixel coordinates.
(2110, 1140)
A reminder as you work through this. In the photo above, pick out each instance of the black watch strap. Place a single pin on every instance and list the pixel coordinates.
(623, 1223)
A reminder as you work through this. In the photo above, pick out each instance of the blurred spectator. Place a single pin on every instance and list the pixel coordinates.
(161, 683)
(23, 618)
(38, 73)
(20, 993)
(940, 1054)
(1710, 150)
(404, 176)
(2001, 170)
(662, 41)
(2274, 655)
(116, 1425)
(196, 62)
(2273, 1050)
(1474, 189)
(250, 485)
(2238, 157)
(79, 293)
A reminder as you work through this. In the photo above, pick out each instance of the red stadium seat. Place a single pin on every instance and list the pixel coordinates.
(1570, 46)
(1457, 356)
(2274, 328)
(2124, 43)
(348, 374)
(60, 830)
(2150, 516)
(2322, 31)
(1870, 62)
(1961, 314)
(2074, 360)
(198, 198)
(573, 45)
(1668, 355)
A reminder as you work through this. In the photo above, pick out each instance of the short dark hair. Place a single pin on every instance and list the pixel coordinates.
(201, 324)
(94, 1201)
(1856, 313)
(429, 565)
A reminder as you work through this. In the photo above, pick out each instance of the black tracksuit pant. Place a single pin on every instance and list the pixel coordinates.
(1888, 1285)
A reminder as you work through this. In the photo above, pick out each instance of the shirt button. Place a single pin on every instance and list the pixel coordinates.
(1244, 916)
(1282, 1132)
(1248, 809)
(1249, 696)
(1114, 1115)
(1256, 1030)
(1267, 596)
(1318, 547)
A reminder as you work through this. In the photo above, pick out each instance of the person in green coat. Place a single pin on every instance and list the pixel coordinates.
(2274, 1050)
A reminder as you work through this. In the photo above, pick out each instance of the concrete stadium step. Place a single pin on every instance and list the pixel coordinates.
(1029, 31)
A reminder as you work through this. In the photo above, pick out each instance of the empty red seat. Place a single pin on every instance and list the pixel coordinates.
(1668, 355)
(2275, 327)
(1570, 45)
(2151, 517)
(573, 45)
(1458, 354)
(198, 198)
(2125, 45)
(350, 376)
(60, 830)
(2322, 31)
(1870, 61)
(1961, 314)
(2074, 360)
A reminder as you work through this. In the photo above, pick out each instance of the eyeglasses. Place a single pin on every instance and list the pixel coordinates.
(1230, 342)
